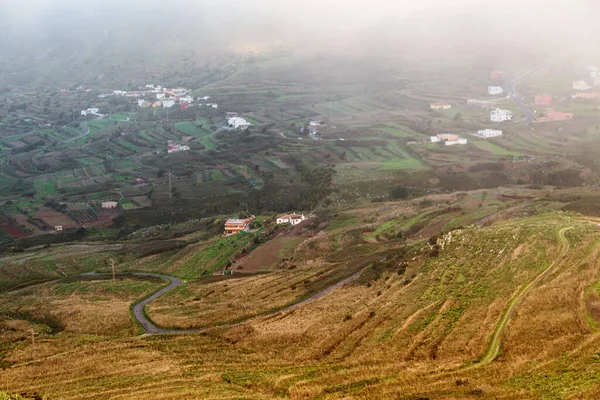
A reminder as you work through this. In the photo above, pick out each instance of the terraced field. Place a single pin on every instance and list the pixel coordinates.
(415, 323)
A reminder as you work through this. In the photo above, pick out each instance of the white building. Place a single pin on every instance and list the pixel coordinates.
(110, 205)
(238, 123)
(213, 105)
(90, 111)
(594, 72)
(499, 115)
(449, 139)
(168, 103)
(205, 98)
(186, 99)
(315, 123)
(144, 103)
(173, 147)
(581, 85)
(495, 90)
(455, 142)
(488, 133)
(160, 96)
(292, 219)
(119, 93)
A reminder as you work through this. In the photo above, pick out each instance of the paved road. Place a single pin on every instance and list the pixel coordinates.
(85, 130)
(511, 87)
(151, 329)
(494, 347)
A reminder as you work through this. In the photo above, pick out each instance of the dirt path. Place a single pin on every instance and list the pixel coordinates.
(494, 347)
(151, 329)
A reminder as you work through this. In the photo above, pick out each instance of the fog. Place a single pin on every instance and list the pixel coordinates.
(129, 28)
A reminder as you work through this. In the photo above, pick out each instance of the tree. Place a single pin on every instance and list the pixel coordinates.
(399, 192)
(458, 117)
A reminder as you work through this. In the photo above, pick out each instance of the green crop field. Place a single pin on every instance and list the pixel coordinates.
(45, 187)
(494, 148)
(404, 163)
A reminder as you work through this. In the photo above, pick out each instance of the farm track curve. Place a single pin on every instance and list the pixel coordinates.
(139, 314)
(494, 347)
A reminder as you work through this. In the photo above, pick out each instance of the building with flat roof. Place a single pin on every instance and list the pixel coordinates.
(488, 133)
(238, 123)
(499, 115)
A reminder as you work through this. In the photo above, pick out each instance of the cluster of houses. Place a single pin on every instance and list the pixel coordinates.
(174, 147)
(582, 92)
(236, 226)
(157, 96)
(312, 129)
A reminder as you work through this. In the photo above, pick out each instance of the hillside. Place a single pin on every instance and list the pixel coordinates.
(497, 301)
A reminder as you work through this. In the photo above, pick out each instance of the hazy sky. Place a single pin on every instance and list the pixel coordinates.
(320, 23)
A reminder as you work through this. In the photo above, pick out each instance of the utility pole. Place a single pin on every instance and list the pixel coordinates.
(170, 192)
(112, 264)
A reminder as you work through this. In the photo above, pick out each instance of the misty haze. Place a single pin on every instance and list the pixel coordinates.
(261, 199)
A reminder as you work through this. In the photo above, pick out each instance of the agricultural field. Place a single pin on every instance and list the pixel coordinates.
(417, 320)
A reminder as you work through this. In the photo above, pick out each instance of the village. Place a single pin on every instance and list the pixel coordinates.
(543, 103)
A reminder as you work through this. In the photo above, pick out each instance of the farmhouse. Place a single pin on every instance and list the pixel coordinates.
(236, 226)
(495, 90)
(499, 115)
(496, 75)
(488, 133)
(449, 139)
(110, 205)
(90, 111)
(552, 115)
(440, 106)
(238, 123)
(587, 95)
(292, 219)
(544, 99)
(581, 85)
(173, 147)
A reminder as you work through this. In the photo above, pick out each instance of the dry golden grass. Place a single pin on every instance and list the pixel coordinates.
(203, 304)
(400, 336)
(96, 307)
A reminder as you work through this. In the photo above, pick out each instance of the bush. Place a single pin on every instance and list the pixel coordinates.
(399, 192)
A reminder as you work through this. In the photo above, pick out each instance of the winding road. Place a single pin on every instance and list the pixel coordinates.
(151, 329)
(494, 347)
(85, 130)
(511, 87)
